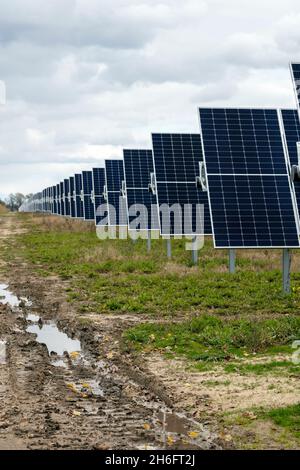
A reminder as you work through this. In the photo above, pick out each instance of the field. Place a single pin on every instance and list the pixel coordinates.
(217, 345)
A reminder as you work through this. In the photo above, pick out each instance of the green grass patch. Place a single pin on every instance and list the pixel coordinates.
(213, 339)
(117, 276)
(287, 418)
(275, 367)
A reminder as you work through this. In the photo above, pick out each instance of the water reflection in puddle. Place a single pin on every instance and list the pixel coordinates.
(7, 297)
(56, 341)
(180, 431)
(32, 318)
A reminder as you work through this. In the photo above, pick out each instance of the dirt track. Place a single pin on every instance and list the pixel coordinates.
(94, 397)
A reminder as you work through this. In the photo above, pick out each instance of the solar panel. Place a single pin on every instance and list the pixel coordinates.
(295, 71)
(71, 196)
(114, 177)
(78, 196)
(58, 199)
(50, 208)
(248, 184)
(177, 159)
(87, 187)
(291, 126)
(66, 196)
(62, 198)
(98, 190)
(54, 204)
(138, 166)
(44, 200)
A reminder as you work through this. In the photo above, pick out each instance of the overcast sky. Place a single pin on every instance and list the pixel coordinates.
(85, 78)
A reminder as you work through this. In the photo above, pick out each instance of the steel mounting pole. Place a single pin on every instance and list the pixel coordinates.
(232, 258)
(149, 241)
(169, 248)
(286, 271)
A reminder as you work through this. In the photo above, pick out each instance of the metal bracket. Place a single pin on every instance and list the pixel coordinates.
(81, 195)
(152, 184)
(123, 189)
(105, 193)
(201, 182)
(295, 173)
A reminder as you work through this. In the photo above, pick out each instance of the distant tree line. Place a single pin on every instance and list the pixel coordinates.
(14, 201)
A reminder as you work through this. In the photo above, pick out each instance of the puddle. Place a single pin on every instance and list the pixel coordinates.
(32, 318)
(60, 363)
(177, 429)
(56, 341)
(7, 297)
(2, 352)
(88, 388)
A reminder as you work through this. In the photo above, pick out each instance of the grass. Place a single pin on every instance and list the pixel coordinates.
(288, 418)
(213, 339)
(275, 367)
(218, 316)
(116, 276)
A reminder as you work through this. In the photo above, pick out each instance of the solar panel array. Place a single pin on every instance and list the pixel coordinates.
(237, 170)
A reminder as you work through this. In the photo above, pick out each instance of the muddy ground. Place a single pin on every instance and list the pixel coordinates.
(66, 384)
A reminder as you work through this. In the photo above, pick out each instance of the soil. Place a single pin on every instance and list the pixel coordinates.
(93, 397)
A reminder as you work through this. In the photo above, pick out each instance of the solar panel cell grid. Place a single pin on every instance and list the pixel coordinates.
(78, 201)
(87, 187)
(117, 209)
(72, 199)
(138, 165)
(176, 160)
(98, 188)
(62, 199)
(291, 126)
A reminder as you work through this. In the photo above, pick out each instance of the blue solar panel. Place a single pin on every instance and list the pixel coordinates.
(98, 189)
(114, 176)
(54, 195)
(87, 187)
(78, 196)
(62, 198)
(295, 70)
(66, 196)
(58, 199)
(50, 207)
(44, 200)
(291, 126)
(138, 166)
(142, 206)
(72, 197)
(248, 183)
(177, 160)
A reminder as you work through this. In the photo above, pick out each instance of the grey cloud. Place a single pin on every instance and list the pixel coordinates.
(86, 77)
